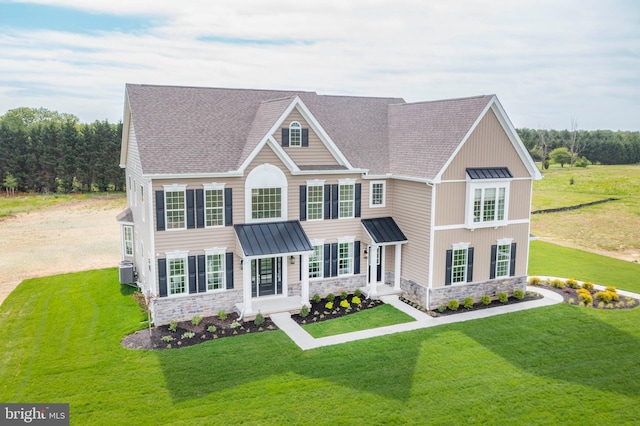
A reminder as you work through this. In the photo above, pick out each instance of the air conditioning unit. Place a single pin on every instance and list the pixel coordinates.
(127, 272)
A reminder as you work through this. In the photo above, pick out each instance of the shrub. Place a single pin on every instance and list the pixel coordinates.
(211, 329)
(614, 296)
(518, 294)
(604, 296)
(235, 324)
(582, 162)
(588, 286)
(572, 283)
(329, 305)
(167, 339)
(556, 283)
(357, 293)
(173, 324)
(601, 305)
(610, 288)
(453, 305)
(344, 303)
(503, 297)
(486, 300)
(534, 281)
(331, 297)
(442, 308)
(259, 319)
(467, 303)
(222, 314)
(316, 298)
(187, 335)
(343, 295)
(304, 311)
(584, 297)
(356, 300)
(196, 320)
(141, 300)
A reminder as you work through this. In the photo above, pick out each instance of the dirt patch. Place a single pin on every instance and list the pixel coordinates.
(67, 237)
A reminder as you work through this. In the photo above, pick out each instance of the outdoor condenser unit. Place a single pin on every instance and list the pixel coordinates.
(126, 272)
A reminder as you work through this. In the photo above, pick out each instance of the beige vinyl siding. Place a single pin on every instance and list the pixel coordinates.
(481, 240)
(412, 212)
(315, 154)
(487, 146)
(451, 203)
(520, 199)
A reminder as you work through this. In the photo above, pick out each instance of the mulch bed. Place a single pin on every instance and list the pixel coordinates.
(319, 311)
(223, 328)
(528, 296)
(570, 296)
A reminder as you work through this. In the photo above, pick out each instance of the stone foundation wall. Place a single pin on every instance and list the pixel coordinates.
(185, 308)
(336, 285)
(441, 296)
(411, 290)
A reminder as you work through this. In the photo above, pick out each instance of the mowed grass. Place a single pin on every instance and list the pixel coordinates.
(370, 318)
(548, 259)
(552, 365)
(23, 203)
(612, 227)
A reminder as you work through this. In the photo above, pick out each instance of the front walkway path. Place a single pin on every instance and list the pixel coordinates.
(305, 341)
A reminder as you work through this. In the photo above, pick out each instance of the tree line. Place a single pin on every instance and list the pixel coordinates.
(45, 151)
(597, 146)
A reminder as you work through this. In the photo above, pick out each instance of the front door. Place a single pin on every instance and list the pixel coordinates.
(375, 262)
(266, 276)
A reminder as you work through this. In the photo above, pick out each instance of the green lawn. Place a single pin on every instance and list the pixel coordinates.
(370, 318)
(552, 260)
(553, 365)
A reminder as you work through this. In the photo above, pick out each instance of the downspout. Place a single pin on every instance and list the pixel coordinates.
(431, 237)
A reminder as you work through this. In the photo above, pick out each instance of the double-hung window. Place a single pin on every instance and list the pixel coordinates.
(315, 261)
(213, 205)
(377, 194)
(215, 269)
(503, 260)
(459, 264)
(345, 258)
(315, 199)
(487, 197)
(127, 239)
(346, 198)
(177, 275)
(175, 207)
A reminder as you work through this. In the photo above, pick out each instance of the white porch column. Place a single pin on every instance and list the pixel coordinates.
(373, 272)
(304, 285)
(398, 263)
(246, 286)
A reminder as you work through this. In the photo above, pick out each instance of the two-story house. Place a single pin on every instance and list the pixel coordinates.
(255, 200)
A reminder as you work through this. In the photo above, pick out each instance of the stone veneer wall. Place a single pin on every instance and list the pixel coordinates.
(184, 308)
(413, 291)
(440, 296)
(336, 285)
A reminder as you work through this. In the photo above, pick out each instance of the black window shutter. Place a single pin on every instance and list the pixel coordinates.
(300, 263)
(512, 265)
(327, 202)
(162, 276)
(334, 201)
(303, 202)
(160, 211)
(470, 264)
(192, 275)
(356, 257)
(202, 276)
(358, 200)
(447, 274)
(334, 259)
(327, 260)
(190, 210)
(229, 270)
(228, 207)
(494, 256)
(200, 208)
(305, 137)
(285, 137)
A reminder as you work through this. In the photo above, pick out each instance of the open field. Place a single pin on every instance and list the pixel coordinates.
(611, 228)
(554, 365)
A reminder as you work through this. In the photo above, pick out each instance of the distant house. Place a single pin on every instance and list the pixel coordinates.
(255, 200)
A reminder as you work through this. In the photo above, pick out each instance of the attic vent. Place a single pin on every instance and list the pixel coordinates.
(489, 173)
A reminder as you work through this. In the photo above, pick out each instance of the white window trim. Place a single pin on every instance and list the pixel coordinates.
(351, 241)
(472, 185)
(266, 176)
(310, 183)
(213, 252)
(184, 255)
(124, 241)
(299, 128)
(503, 242)
(214, 186)
(175, 188)
(384, 193)
(345, 182)
(321, 244)
(460, 246)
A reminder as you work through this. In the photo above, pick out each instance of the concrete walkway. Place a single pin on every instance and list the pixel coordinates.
(305, 341)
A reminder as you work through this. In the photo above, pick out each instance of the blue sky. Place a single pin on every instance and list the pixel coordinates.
(549, 62)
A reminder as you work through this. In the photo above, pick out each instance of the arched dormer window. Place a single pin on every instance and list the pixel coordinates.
(266, 194)
(295, 134)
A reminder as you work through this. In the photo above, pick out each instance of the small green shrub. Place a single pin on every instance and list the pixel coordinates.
(211, 329)
(571, 301)
(518, 294)
(222, 314)
(167, 339)
(572, 283)
(343, 295)
(173, 324)
(588, 286)
(453, 305)
(357, 293)
(503, 297)
(442, 308)
(331, 297)
(356, 300)
(344, 303)
(486, 300)
(582, 162)
(316, 298)
(534, 281)
(329, 305)
(556, 283)
(259, 319)
(187, 335)
(304, 311)
(467, 303)
(235, 324)
(196, 320)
